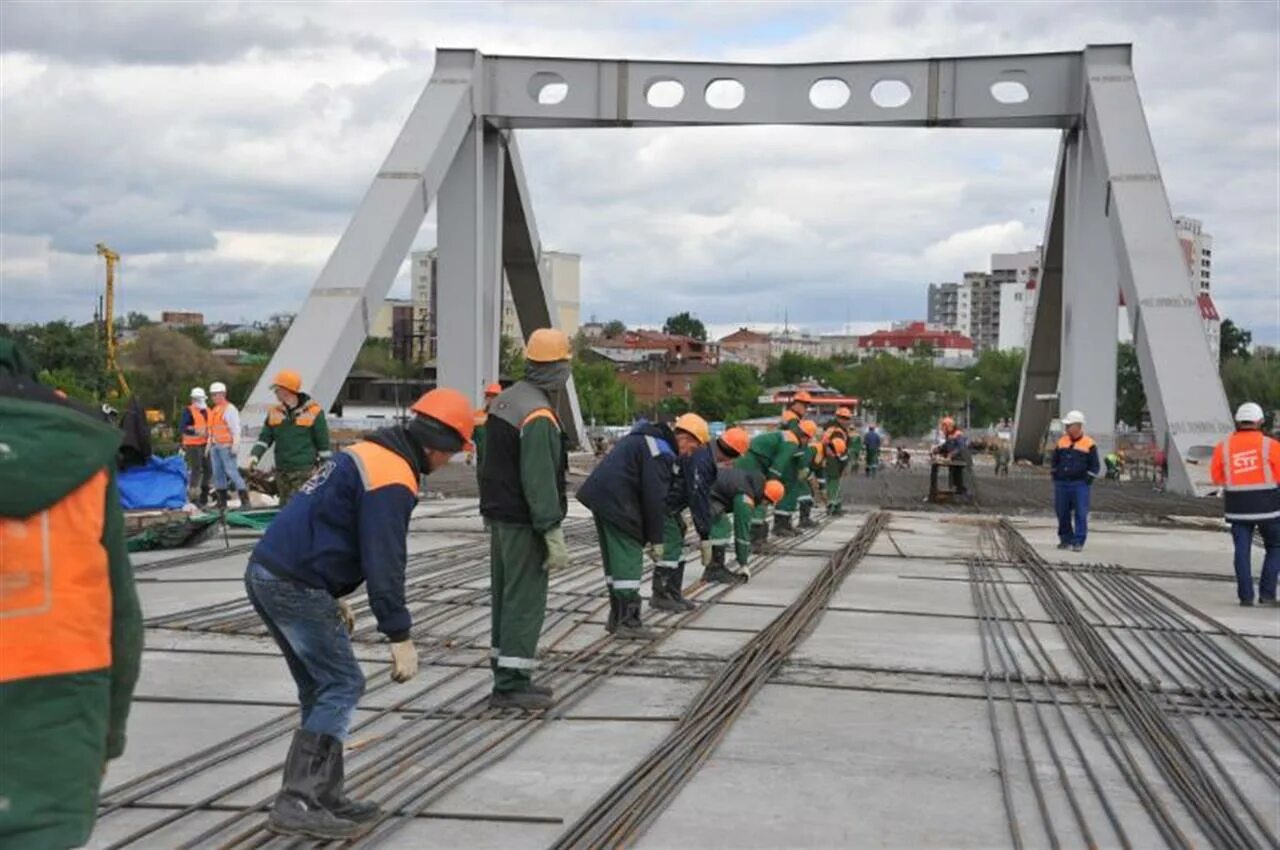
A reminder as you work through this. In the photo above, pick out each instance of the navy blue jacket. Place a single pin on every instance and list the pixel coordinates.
(348, 525)
(628, 489)
(872, 441)
(692, 488)
(1075, 460)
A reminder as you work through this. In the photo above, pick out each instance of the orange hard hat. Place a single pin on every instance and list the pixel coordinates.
(774, 491)
(451, 409)
(843, 413)
(809, 428)
(838, 446)
(493, 389)
(695, 426)
(948, 422)
(802, 396)
(287, 379)
(547, 345)
(735, 441)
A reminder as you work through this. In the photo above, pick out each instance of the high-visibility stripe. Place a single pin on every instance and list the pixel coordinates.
(670, 563)
(720, 541)
(626, 584)
(608, 580)
(381, 467)
(777, 512)
(512, 662)
(1244, 488)
(804, 498)
(1251, 517)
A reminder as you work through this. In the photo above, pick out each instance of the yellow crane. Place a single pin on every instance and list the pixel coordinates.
(109, 316)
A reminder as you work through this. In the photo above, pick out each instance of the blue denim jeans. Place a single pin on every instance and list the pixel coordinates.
(1242, 535)
(225, 469)
(1071, 499)
(309, 630)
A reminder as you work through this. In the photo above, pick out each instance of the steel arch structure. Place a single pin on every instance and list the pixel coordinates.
(1109, 229)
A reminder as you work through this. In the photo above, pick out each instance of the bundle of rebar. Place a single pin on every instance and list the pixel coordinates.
(627, 810)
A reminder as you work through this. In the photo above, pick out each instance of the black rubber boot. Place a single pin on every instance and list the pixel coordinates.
(203, 501)
(221, 499)
(528, 699)
(611, 624)
(545, 690)
(759, 534)
(630, 626)
(806, 521)
(298, 809)
(718, 573)
(675, 589)
(331, 796)
(666, 590)
(244, 500)
(782, 527)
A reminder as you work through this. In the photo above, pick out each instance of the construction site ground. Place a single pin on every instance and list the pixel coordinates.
(945, 695)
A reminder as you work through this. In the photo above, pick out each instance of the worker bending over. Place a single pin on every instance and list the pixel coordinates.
(836, 452)
(811, 464)
(770, 454)
(194, 428)
(523, 498)
(794, 477)
(1247, 466)
(297, 428)
(736, 493)
(627, 495)
(955, 449)
(1075, 466)
(345, 527)
(696, 471)
(224, 443)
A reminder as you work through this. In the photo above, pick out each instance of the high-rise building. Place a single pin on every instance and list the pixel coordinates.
(1197, 251)
(1017, 275)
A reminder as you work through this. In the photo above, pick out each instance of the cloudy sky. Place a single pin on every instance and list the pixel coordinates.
(222, 147)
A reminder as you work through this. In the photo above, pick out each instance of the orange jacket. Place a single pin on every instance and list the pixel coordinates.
(1247, 465)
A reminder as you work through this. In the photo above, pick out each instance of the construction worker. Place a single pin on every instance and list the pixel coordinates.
(809, 472)
(794, 479)
(795, 410)
(772, 454)
(523, 498)
(1003, 456)
(1075, 466)
(482, 417)
(1247, 467)
(224, 443)
(835, 452)
(297, 428)
(855, 448)
(955, 449)
(722, 516)
(736, 493)
(872, 444)
(627, 495)
(689, 489)
(346, 526)
(194, 428)
(70, 627)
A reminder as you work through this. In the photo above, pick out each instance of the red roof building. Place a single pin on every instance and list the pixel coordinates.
(907, 340)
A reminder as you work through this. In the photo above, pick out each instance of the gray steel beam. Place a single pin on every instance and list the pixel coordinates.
(1043, 360)
(1184, 391)
(333, 323)
(951, 91)
(534, 300)
(1090, 299)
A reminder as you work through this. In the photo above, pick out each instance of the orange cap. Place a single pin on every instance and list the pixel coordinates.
(774, 491)
(802, 396)
(838, 446)
(287, 379)
(695, 426)
(547, 345)
(844, 413)
(948, 422)
(809, 428)
(493, 389)
(736, 441)
(450, 408)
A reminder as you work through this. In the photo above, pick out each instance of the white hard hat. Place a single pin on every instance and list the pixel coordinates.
(1249, 412)
(1073, 417)
(197, 392)
(217, 387)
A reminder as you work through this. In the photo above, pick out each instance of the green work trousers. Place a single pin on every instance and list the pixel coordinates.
(623, 560)
(518, 586)
(795, 488)
(673, 542)
(834, 471)
(290, 481)
(743, 519)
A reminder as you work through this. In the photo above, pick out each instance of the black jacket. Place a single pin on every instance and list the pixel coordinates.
(629, 488)
(730, 483)
(692, 488)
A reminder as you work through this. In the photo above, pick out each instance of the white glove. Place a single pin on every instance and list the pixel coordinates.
(654, 553)
(348, 619)
(404, 661)
(253, 462)
(557, 550)
(707, 554)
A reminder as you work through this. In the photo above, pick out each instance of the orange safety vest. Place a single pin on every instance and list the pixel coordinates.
(200, 422)
(56, 599)
(1247, 465)
(219, 430)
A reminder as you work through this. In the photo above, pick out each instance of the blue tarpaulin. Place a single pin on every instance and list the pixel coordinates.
(161, 483)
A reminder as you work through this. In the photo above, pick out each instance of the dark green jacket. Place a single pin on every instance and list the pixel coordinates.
(300, 434)
(773, 454)
(61, 717)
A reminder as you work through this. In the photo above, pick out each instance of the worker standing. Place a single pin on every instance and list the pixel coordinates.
(627, 495)
(72, 628)
(696, 471)
(836, 452)
(855, 448)
(872, 444)
(297, 428)
(194, 428)
(955, 449)
(224, 442)
(1247, 466)
(523, 498)
(1075, 466)
(795, 410)
(346, 526)
(482, 418)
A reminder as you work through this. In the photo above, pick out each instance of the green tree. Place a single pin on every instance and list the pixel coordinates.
(1233, 341)
(1131, 399)
(672, 406)
(162, 366)
(602, 398)
(792, 368)
(729, 394)
(376, 356)
(73, 352)
(511, 358)
(135, 321)
(614, 327)
(1255, 379)
(993, 384)
(686, 324)
(906, 396)
(69, 382)
(199, 334)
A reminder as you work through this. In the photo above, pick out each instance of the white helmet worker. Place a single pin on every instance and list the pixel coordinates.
(197, 392)
(1249, 412)
(218, 387)
(1073, 417)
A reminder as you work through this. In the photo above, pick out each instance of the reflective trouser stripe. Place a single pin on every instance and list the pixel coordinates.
(720, 541)
(1251, 517)
(805, 499)
(670, 563)
(626, 584)
(777, 512)
(513, 663)
(1240, 488)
